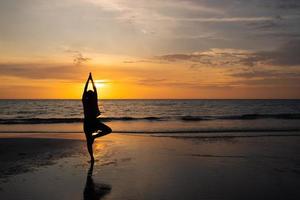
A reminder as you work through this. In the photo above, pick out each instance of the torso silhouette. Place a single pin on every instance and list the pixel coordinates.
(90, 105)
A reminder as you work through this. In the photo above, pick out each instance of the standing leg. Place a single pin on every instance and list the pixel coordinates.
(90, 149)
(89, 138)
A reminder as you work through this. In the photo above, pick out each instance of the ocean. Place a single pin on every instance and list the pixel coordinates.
(215, 118)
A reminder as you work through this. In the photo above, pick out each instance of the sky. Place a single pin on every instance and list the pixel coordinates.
(136, 49)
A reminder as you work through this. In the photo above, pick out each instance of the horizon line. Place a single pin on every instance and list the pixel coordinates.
(154, 99)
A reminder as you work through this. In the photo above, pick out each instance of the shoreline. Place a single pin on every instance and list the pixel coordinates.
(179, 135)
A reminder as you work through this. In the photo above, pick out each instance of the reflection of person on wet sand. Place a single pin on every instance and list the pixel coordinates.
(92, 124)
(93, 191)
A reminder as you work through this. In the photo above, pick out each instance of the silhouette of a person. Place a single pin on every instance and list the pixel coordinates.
(92, 123)
(93, 191)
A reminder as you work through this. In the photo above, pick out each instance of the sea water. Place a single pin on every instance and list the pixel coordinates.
(165, 117)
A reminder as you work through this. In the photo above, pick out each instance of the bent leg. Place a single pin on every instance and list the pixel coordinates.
(103, 130)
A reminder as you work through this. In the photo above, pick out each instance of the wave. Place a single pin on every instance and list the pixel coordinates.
(152, 118)
(243, 117)
(193, 131)
(69, 120)
(264, 116)
(40, 121)
(185, 134)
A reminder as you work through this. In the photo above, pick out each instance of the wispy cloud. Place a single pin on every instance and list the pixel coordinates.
(250, 73)
(210, 58)
(275, 22)
(163, 82)
(41, 71)
(287, 4)
(78, 57)
(286, 55)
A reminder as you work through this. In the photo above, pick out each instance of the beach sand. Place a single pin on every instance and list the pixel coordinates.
(55, 166)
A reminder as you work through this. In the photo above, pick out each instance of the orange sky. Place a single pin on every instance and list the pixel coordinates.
(149, 49)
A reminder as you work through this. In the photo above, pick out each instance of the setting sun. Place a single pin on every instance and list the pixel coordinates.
(101, 83)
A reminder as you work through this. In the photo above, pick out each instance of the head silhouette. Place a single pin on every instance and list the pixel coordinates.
(90, 95)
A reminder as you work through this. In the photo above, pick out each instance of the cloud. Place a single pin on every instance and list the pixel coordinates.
(288, 4)
(212, 57)
(40, 71)
(250, 73)
(254, 74)
(275, 22)
(146, 16)
(151, 81)
(179, 57)
(227, 19)
(268, 82)
(147, 27)
(258, 76)
(161, 18)
(162, 82)
(78, 58)
(286, 36)
(286, 55)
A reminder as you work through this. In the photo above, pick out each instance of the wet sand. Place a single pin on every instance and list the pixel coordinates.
(20, 155)
(54, 166)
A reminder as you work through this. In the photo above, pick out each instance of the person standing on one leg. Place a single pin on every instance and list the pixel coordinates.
(92, 123)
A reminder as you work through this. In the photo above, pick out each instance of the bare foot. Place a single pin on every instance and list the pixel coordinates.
(91, 161)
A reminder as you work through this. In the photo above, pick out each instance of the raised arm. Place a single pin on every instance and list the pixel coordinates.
(94, 87)
(86, 86)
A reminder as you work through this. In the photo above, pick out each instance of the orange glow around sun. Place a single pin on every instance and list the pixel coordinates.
(101, 83)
